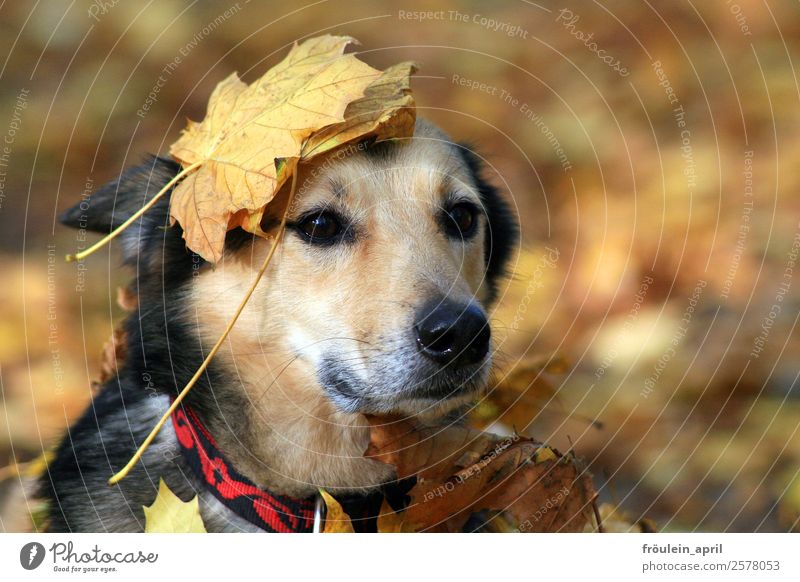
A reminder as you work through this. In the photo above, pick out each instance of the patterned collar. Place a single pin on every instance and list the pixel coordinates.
(268, 511)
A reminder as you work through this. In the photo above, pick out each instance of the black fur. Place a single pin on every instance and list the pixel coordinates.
(503, 233)
(163, 353)
(379, 150)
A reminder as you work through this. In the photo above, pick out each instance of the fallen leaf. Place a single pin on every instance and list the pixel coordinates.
(114, 351)
(390, 521)
(614, 520)
(498, 522)
(127, 299)
(520, 392)
(168, 514)
(544, 454)
(789, 505)
(461, 471)
(516, 401)
(253, 136)
(336, 519)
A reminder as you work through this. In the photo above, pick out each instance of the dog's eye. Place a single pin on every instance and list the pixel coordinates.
(461, 220)
(322, 227)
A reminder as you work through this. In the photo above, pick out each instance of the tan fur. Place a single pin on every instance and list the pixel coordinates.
(356, 300)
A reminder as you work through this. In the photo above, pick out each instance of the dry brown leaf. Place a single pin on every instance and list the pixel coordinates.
(498, 522)
(614, 520)
(386, 110)
(516, 401)
(461, 471)
(253, 136)
(789, 504)
(336, 519)
(390, 521)
(519, 393)
(127, 299)
(115, 350)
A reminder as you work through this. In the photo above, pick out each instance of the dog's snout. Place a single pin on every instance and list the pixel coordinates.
(452, 333)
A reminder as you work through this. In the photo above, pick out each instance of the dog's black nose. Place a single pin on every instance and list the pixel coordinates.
(452, 333)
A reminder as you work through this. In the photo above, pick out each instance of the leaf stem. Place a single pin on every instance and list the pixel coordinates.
(33, 468)
(114, 233)
(157, 428)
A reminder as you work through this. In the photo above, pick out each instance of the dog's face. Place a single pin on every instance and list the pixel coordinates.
(377, 296)
(380, 281)
(376, 299)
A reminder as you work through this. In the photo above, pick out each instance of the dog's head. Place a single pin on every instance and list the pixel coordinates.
(376, 299)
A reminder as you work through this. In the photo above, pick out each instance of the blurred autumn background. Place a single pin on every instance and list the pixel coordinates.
(650, 150)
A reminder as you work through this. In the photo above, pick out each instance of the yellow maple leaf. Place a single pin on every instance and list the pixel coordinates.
(168, 514)
(385, 110)
(390, 521)
(336, 520)
(253, 136)
(250, 130)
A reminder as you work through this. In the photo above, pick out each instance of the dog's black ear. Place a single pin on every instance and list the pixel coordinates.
(503, 232)
(117, 201)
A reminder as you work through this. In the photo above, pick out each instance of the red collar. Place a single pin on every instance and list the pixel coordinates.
(268, 511)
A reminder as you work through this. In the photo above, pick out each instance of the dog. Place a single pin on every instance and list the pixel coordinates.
(375, 303)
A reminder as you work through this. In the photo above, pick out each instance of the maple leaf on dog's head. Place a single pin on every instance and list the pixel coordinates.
(253, 136)
(386, 110)
(248, 127)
